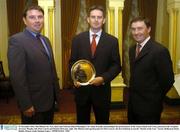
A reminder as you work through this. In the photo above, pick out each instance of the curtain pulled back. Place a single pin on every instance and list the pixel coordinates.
(90, 3)
(148, 8)
(15, 10)
(70, 10)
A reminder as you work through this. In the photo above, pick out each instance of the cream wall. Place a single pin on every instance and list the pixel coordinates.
(52, 29)
(168, 32)
(173, 8)
(58, 43)
(162, 23)
(3, 35)
(114, 27)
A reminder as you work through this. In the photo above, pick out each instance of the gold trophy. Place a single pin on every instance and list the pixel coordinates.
(83, 71)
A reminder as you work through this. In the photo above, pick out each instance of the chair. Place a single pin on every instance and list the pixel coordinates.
(6, 90)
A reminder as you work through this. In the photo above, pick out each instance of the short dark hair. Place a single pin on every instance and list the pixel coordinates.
(32, 7)
(96, 7)
(141, 18)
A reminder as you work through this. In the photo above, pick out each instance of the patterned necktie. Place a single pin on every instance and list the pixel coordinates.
(138, 49)
(43, 45)
(93, 44)
(39, 41)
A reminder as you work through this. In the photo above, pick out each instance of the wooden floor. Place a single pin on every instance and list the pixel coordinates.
(171, 113)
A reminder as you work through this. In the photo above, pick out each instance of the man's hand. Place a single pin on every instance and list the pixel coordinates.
(97, 81)
(77, 84)
(29, 112)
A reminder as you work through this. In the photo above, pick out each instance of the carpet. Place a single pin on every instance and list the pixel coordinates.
(68, 118)
(116, 117)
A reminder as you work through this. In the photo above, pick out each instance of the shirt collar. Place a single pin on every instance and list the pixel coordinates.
(33, 33)
(98, 33)
(144, 42)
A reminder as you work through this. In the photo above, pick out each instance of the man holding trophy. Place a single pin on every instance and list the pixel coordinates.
(94, 62)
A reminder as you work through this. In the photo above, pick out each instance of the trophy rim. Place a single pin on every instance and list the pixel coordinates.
(92, 67)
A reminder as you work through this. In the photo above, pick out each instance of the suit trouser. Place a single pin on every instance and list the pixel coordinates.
(39, 118)
(101, 112)
(134, 118)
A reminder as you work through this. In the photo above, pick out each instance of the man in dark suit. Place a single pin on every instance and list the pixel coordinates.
(151, 75)
(32, 70)
(106, 60)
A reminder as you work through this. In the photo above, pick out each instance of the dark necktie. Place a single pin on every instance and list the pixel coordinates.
(93, 44)
(138, 49)
(43, 45)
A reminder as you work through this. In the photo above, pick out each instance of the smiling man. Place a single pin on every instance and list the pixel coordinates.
(151, 75)
(102, 50)
(32, 70)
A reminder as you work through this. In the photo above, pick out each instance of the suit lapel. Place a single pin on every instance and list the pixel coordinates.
(133, 52)
(48, 46)
(87, 44)
(34, 42)
(100, 43)
(145, 50)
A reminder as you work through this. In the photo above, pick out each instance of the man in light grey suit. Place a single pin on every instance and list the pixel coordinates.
(32, 70)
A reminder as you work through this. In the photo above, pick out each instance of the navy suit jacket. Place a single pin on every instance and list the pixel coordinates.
(106, 62)
(151, 77)
(32, 74)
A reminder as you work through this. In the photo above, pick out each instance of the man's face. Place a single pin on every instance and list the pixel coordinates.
(140, 31)
(34, 20)
(96, 19)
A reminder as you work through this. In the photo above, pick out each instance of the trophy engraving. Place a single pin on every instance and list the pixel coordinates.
(80, 74)
(83, 71)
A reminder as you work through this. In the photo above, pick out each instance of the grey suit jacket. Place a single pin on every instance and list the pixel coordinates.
(32, 74)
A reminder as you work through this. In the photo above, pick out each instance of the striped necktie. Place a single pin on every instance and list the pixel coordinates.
(93, 44)
(43, 45)
(138, 49)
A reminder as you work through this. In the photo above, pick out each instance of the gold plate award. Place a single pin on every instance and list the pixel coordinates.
(83, 71)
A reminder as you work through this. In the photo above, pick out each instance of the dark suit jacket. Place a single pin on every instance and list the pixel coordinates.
(151, 77)
(33, 76)
(106, 62)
